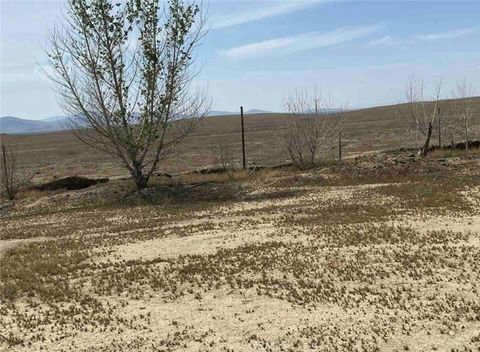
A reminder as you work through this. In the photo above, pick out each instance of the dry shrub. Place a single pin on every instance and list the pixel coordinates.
(309, 132)
(225, 160)
(12, 176)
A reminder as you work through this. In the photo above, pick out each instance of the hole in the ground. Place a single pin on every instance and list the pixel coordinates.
(70, 183)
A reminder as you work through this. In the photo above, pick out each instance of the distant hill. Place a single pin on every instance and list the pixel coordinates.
(365, 130)
(227, 113)
(55, 119)
(257, 111)
(221, 113)
(16, 125)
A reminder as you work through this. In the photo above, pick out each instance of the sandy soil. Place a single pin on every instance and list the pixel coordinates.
(284, 274)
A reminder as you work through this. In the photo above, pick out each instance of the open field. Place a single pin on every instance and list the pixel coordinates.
(61, 154)
(136, 216)
(381, 253)
(378, 253)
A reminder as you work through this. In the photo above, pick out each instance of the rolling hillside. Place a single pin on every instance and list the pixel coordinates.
(15, 125)
(365, 130)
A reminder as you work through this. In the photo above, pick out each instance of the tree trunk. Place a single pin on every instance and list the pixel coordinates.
(7, 175)
(141, 183)
(426, 146)
(140, 179)
(466, 137)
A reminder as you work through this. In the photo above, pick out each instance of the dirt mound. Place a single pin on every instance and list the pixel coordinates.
(70, 183)
(459, 146)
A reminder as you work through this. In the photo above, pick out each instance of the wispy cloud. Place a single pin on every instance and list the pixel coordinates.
(446, 35)
(386, 40)
(300, 42)
(431, 37)
(273, 9)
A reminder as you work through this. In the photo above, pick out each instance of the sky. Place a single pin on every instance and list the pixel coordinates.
(256, 53)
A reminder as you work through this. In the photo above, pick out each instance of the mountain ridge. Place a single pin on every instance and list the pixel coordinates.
(18, 125)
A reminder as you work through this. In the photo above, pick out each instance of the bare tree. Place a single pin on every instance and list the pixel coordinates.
(308, 133)
(123, 71)
(225, 159)
(12, 176)
(465, 108)
(420, 113)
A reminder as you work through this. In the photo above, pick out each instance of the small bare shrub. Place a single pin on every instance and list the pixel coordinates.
(466, 110)
(224, 158)
(419, 113)
(12, 176)
(307, 136)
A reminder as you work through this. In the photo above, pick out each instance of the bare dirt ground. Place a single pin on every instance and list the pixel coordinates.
(381, 253)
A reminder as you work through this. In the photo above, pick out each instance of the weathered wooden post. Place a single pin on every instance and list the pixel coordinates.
(339, 145)
(439, 128)
(243, 138)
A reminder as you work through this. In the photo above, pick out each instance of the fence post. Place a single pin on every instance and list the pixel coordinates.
(439, 128)
(339, 145)
(243, 138)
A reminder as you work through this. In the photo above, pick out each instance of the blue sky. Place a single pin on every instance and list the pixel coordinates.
(257, 52)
